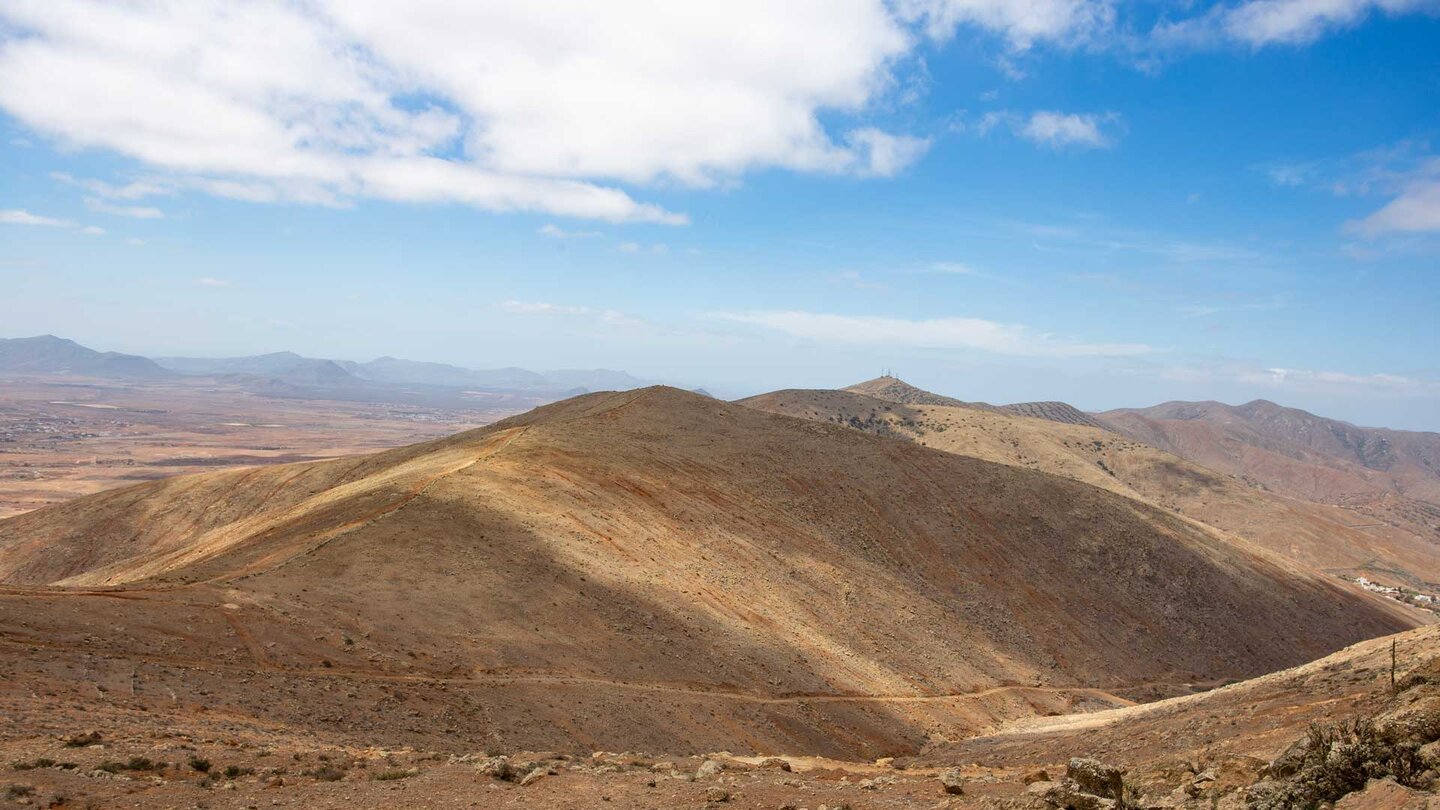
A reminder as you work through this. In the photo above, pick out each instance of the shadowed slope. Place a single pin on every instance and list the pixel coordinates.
(1315, 535)
(663, 571)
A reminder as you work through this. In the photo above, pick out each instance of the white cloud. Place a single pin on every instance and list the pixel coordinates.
(93, 230)
(879, 154)
(211, 282)
(1290, 175)
(629, 247)
(1261, 23)
(1057, 130)
(556, 232)
(133, 211)
(18, 217)
(1416, 210)
(934, 333)
(1266, 22)
(134, 190)
(501, 105)
(1022, 22)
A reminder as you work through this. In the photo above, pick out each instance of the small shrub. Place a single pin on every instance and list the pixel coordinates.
(82, 740)
(233, 771)
(200, 764)
(390, 776)
(1334, 761)
(327, 773)
(19, 791)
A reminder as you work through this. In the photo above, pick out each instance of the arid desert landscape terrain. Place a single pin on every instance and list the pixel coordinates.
(869, 597)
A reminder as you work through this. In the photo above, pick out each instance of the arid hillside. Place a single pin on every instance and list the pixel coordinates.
(653, 570)
(1316, 535)
(1385, 477)
(1062, 412)
(894, 389)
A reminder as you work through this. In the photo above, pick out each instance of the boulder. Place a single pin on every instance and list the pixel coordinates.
(709, 768)
(1096, 778)
(534, 776)
(952, 782)
(497, 767)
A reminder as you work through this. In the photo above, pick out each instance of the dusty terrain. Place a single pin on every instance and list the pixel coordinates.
(652, 570)
(61, 437)
(659, 572)
(1320, 536)
(125, 745)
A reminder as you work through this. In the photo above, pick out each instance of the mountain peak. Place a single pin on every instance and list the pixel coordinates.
(894, 389)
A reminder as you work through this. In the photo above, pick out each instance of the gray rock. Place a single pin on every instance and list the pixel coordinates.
(534, 776)
(708, 768)
(952, 782)
(1096, 778)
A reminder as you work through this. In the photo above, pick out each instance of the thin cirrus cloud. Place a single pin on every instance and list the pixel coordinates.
(606, 317)
(1263, 23)
(16, 216)
(1297, 379)
(554, 231)
(934, 333)
(501, 106)
(100, 206)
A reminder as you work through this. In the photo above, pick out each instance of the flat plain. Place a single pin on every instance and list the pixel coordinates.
(64, 436)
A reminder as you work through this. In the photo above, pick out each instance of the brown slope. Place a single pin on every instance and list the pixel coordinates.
(1062, 412)
(1387, 478)
(656, 570)
(1263, 436)
(1317, 536)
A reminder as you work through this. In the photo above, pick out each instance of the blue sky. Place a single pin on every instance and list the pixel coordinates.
(1111, 203)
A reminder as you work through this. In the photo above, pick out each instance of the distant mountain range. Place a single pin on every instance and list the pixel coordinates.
(281, 372)
(47, 354)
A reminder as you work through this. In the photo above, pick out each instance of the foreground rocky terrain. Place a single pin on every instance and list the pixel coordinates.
(1243, 745)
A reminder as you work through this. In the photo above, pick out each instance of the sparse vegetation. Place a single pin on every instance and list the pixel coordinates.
(326, 773)
(392, 775)
(1333, 761)
(236, 771)
(200, 764)
(83, 740)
